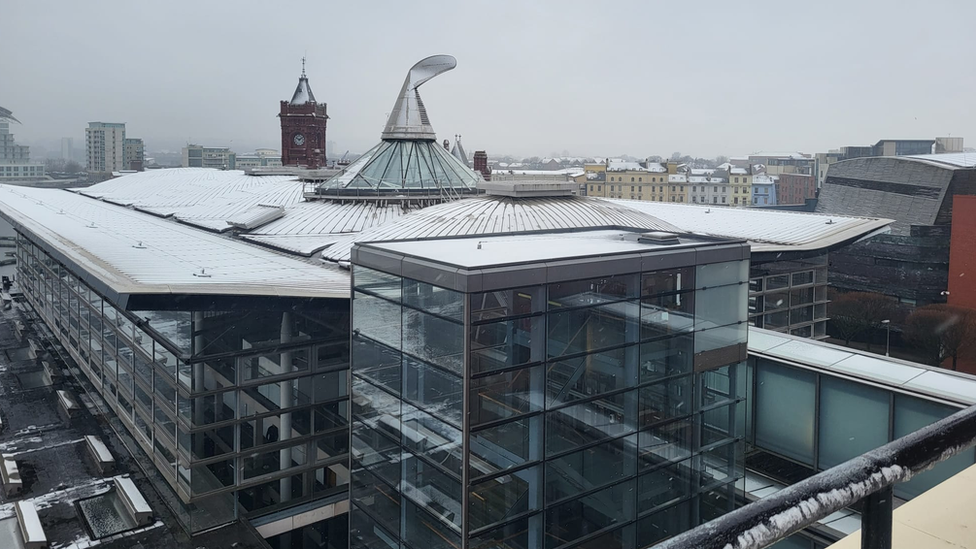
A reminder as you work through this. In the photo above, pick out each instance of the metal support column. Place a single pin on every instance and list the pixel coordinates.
(876, 520)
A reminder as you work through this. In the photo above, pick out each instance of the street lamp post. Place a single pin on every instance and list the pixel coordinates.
(887, 324)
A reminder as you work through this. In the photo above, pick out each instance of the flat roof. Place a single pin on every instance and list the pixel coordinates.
(123, 252)
(766, 230)
(477, 264)
(946, 385)
(491, 251)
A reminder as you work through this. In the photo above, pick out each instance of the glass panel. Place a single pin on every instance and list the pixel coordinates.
(667, 314)
(721, 306)
(506, 303)
(666, 357)
(664, 524)
(785, 404)
(853, 420)
(432, 488)
(255, 367)
(426, 531)
(591, 468)
(579, 424)
(586, 330)
(504, 446)
(381, 500)
(664, 486)
(571, 520)
(433, 389)
(494, 500)
(434, 339)
(911, 414)
(583, 293)
(425, 435)
(669, 281)
(805, 277)
(505, 395)
(522, 534)
(777, 282)
(377, 282)
(505, 344)
(665, 400)
(591, 375)
(665, 443)
(376, 318)
(377, 363)
(365, 533)
(433, 299)
(721, 274)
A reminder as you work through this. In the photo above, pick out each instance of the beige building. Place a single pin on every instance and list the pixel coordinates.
(105, 147)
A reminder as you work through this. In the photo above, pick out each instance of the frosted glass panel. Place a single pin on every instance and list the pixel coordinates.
(785, 404)
(853, 420)
(911, 414)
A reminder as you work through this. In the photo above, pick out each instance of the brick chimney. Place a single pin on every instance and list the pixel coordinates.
(481, 164)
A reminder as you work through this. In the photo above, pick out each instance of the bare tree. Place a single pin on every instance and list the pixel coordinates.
(941, 331)
(675, 156)
(72, 167)
(855, 313)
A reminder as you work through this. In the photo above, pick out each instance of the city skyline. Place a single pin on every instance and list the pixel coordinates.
(530, 80)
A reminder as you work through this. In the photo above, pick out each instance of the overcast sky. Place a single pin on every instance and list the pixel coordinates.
(533, 78)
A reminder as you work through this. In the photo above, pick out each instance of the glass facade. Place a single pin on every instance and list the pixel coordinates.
(801, 421)
(242, 412)
(790, 296)
(594, 412)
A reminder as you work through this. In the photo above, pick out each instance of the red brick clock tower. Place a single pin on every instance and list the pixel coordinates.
(303, 127)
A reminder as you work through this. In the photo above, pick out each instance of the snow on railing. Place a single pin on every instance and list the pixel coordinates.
(868, 477)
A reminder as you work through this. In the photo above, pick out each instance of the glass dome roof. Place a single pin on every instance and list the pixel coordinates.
(404, 166)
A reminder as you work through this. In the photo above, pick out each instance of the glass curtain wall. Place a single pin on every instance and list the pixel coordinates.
(790, 296)
(803, 422)
(586, 412)
(241, 412)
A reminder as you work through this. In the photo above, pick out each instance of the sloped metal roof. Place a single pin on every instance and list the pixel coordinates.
(131, 252)
(311, 226)
(303, 93)
(198, 196)
(908, 190)
(766, 230)
(499, 215)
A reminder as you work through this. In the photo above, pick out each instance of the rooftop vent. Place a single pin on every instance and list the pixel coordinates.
(659, 238)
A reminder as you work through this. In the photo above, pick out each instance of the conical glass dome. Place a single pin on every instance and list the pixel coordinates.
(408, 160)
(405, 166)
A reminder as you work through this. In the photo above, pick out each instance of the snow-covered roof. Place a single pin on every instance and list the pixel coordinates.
(907, 376)
(126, 252)
(960, 160)
(620, 166)
(766, 230)
(198, 196)
(498, 250)
(484, 215)
(572, 172)
(303, 93)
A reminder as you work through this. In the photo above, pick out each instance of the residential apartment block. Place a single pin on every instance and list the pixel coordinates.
(105, 147)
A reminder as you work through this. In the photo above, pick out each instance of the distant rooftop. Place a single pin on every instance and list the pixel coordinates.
(960, 160)
(766, 230)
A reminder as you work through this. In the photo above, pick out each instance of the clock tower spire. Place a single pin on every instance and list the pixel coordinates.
(303, 122)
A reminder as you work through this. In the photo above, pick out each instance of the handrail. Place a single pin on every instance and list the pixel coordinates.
(770, 519)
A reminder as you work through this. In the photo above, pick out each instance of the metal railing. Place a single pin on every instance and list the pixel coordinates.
(868, 477)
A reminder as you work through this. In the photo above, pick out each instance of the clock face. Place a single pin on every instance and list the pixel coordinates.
(299, 139)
